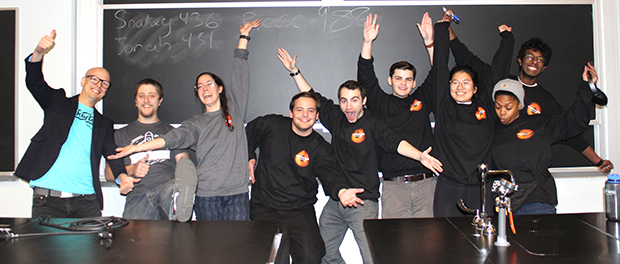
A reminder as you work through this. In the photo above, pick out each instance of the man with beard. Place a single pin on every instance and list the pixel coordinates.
(154, 189)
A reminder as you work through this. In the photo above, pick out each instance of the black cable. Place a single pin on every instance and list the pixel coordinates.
(94, 224)
(102, 225)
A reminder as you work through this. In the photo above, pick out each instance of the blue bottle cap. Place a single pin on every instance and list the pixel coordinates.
(613, 177)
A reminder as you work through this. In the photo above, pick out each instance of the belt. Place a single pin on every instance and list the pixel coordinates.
(410, 178)
(54, 193)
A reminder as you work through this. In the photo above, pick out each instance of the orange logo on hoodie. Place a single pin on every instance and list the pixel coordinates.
(302, 159)
(533, 109)
(481, 113)
(358, 136)
(416, 105)
(525, 134)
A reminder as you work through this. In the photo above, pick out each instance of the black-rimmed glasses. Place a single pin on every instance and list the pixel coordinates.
(96, 80)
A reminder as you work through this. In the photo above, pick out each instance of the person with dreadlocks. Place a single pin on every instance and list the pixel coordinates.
(219, 139)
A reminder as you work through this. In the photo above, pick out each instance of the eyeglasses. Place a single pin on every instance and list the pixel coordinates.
(203, 85)
(465, 84)
(96, 80)
(531, 57)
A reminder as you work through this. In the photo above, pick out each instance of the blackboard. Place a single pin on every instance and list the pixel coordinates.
(7, 89)
(175, 45)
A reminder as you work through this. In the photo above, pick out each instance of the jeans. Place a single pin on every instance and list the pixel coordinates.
(334, 222)
(218, 208)
(56, 207)
(536, 208)
(155, 204)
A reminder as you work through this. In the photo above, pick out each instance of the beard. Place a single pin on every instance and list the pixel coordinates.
(147, 113)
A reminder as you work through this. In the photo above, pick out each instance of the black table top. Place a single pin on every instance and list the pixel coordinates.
(570, 238)
(144, 241)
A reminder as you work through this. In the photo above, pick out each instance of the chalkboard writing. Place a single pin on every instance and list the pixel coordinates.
(175, 45)
(7, 90)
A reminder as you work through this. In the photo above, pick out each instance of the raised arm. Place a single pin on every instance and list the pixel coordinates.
(426, 31)
(290, 63)
(371, 31)
(244, 31)
(589, 75)
(45, 44)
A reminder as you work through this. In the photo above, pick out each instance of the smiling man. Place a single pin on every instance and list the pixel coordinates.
(408, 187)
(533, 59)
(153, 188)
(62, 161)
(292, 156)
(357, 135)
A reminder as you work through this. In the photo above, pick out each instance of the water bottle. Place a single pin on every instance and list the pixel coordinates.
(612, 201)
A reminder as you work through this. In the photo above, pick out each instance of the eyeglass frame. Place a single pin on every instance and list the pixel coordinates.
(102, 81)
(211, 83)
(464, 84)
(531, 57)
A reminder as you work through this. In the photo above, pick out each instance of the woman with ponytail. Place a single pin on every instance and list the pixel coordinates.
(218, 137)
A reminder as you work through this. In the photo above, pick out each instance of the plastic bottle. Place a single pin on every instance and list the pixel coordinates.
(612, 201)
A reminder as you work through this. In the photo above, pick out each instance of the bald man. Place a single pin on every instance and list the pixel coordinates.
(62, 160)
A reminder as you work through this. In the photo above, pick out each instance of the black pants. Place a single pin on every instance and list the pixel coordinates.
(447, 193)
(75, 207)
(301, 238)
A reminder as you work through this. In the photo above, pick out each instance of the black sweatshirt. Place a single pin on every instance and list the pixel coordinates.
(539, 101)
(409, 117)
(358, 161)
(463, 133)
(288, 165)
(524, 146)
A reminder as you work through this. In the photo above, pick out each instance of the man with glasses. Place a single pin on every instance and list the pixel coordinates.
(62, 161)
(534, 56)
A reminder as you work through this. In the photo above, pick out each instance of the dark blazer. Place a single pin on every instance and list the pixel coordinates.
(59, 114)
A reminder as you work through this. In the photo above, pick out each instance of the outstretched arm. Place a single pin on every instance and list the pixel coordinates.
(371, 31)
(244, 30)
(407, 150)
(130, 149)
(290, 63)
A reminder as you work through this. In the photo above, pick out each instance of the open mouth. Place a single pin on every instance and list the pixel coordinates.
(350, 115)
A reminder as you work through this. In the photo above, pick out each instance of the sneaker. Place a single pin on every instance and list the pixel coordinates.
(186, 180)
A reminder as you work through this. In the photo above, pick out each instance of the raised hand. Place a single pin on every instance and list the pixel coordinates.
(503, 28)
(288, 61)
(589, 73)
(371, 28)
(245, 29)
(45, 44)
(426, 29)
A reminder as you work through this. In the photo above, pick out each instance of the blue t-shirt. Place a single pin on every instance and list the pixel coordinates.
(72, 171)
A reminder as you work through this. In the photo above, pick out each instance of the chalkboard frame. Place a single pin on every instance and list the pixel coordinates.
(381, 63)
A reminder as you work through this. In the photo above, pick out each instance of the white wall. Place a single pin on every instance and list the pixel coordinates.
(77, 23)
(36, 18)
